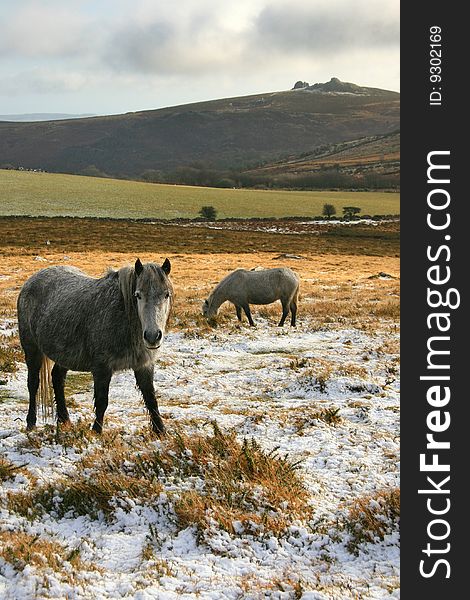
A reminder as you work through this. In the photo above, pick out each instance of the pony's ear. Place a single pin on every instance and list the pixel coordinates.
(166, 266)
(138, 267)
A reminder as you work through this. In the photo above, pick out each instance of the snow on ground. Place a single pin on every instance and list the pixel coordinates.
(264, 383)
(292, 227)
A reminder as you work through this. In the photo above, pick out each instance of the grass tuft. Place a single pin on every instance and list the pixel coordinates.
(372, 517)
(84, 495)
(23, 549)
(238, 485)
(10, 353)
(330, 416)
(245, 487)
(7, 469)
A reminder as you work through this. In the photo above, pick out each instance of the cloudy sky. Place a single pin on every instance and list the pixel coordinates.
(114, 56)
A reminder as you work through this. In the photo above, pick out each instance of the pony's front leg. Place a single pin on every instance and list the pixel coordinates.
(101, 379)
(144, 379)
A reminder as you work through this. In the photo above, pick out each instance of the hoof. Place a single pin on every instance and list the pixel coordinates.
(30, 427)
(97, 428)
(160, 433)
(158, 428)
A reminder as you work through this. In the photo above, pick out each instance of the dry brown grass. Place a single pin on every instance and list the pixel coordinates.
(8, 470)
(371, 517)
(320, 378)
(317, 372)
(335, 284)
(260, 491)
(83, 495)
(101, 479)
(287, 582)
(309, 418)
(21, 235)
(158, 566)
(353, 370)
(10, 353)
(390, 346)
(22, 549)
(241, 482)
(77, 435)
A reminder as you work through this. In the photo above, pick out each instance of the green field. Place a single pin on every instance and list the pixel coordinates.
(51, 194)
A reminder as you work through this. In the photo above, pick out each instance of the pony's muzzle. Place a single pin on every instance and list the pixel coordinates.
(153, 338)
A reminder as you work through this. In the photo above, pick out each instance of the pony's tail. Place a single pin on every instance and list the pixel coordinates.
(297, 293)
(45, 395)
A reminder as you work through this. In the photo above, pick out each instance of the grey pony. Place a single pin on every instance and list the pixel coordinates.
(242, 288)
(100, 325)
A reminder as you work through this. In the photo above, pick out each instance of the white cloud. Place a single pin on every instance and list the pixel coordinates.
(196, 47)
(44, 29)
(327, 28)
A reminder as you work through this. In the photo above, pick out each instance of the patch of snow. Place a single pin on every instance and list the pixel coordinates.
(259, 382)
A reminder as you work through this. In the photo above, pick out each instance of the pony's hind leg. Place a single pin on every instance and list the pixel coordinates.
(101, 379)
(239, 312)
(285, 312)
(33, 358)
(293, 312)
(144, 379)
(58, 381)
(293, 307)
(246, 308)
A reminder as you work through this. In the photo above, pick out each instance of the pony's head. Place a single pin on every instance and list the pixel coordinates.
(208, 310)
(154, 297)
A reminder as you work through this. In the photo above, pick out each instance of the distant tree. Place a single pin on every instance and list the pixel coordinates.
(328, 210)
(208, 212)
(349, 212)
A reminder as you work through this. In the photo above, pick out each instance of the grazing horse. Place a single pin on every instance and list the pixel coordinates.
(100, 325)
(265, 286)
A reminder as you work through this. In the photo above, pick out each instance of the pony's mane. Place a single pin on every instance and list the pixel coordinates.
(127, 284)
(127, 278)
(220, 286)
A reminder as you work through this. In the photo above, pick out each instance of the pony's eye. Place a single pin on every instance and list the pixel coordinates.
(167, 295)
(137, 295)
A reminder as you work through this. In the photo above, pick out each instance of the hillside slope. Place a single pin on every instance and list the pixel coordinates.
(371, 154)
(234, 132)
